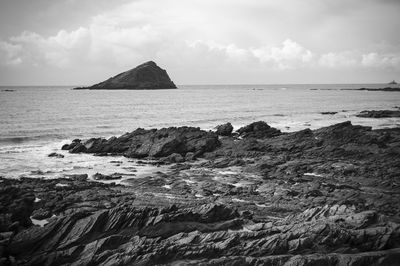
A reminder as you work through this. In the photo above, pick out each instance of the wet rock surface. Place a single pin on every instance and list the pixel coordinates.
(323, 197)
(143, 143)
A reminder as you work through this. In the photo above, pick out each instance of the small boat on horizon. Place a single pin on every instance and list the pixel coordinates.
(393, 82)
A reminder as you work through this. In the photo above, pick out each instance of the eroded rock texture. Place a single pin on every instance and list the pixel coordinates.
(143, 143)
(323, 197)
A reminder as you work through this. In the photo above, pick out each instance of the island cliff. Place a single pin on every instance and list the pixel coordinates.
(147, 76)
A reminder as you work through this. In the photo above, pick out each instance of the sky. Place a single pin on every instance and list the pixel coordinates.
(82, 42)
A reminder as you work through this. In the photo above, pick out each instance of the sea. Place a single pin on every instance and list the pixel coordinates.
(36, 121)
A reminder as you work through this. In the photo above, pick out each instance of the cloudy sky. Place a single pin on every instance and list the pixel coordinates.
(80, 42)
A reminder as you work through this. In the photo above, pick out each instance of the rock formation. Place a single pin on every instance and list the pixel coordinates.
(258, 129)
(312, 197)
(143, 143)
(224, 130)
(147, 76)
(379, 113)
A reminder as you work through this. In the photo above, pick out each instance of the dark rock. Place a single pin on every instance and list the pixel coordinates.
(79, 147)
(379, 113)
(147, 76)
(325, 196)
(379, 89)
(98, 176)
(41, 214)
(224, 130)
(78, 177)
(148, 236)
(143, 143)
(190, 156)
(328, 113)
(72, 145)
(175, 158)
(56, 155)
(258, 130)
(16, 206)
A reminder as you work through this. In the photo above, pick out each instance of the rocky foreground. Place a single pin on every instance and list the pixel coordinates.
(253, 197)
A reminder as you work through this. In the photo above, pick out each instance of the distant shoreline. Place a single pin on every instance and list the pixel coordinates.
(390, 89)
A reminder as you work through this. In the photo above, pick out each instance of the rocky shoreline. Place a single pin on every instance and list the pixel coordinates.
(256, 196)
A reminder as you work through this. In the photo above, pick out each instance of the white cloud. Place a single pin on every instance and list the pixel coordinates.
(376, 60)
(291, 55)
(339, 60)
(60, 50)
(9, 53)
(356, 59)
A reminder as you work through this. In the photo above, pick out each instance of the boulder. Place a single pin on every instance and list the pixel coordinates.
(56, 155)
(258, 130)
(224, 129)
(147, 76)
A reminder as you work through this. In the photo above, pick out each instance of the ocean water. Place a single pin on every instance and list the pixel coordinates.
(35, 121)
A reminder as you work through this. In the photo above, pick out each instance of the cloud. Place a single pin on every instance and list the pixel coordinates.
(10, 53)
(289, 56)
(60, 50)
(376, 60)
(339, 59)
(105, 41)
(202, 35)
(356, 59)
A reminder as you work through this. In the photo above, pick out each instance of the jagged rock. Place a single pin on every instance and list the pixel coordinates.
(224, 130)
(74, 143)
(147, 76)
(150, 236)
(152, 143)
(41, 214)
(258, 130)
(308, 197)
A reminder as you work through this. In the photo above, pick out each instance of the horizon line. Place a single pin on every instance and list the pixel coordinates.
(216, 84)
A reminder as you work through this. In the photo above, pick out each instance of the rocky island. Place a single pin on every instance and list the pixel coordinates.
(147, 76)
(255, 196)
